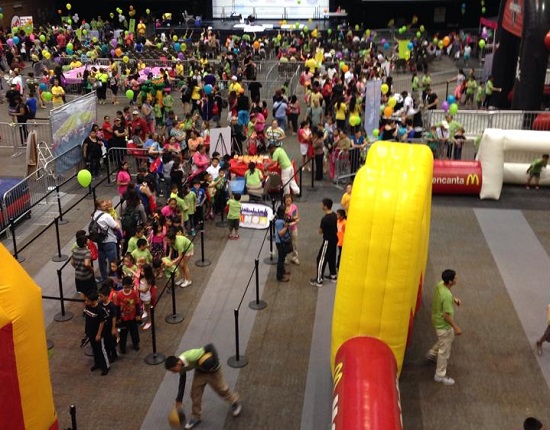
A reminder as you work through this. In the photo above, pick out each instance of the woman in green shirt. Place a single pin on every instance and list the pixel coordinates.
(254, 178)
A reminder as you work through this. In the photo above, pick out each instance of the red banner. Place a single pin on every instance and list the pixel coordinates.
(366, 389)
(512, 19)
(456, 177)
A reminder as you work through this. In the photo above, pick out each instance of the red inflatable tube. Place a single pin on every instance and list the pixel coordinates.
(366, 390)
(456, 177)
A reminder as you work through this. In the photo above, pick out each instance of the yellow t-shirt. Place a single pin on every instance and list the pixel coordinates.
(341, 111)
(57, 95)
(346, 198)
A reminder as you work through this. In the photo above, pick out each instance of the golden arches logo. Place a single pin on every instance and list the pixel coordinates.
(473, 179)
(337, 374)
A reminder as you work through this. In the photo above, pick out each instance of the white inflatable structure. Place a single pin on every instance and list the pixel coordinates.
(505, 156)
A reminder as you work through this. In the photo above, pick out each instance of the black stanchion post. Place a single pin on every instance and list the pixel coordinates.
(90, 191)
(59, 257)
(15, 252)
(300, 179)
(72, 413)
(174, 317)
(63, 315)
(93, 194)
(202, 262)
(223, 222)
(108, 163)
(154, 357)
(237, 361)
(270, 260)
(61, 220)
(257, 304)
(312, 173)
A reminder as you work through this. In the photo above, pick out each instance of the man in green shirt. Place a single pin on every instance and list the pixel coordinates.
(208, 371)
(489, 89)
(278, 155)
(445, 327)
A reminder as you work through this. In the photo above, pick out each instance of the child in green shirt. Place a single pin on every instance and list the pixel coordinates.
(234, 215)
(191, 199)
(535, 169)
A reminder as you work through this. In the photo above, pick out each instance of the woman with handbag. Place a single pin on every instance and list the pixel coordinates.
(283, 242)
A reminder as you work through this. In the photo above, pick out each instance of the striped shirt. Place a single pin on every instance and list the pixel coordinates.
(81, 272)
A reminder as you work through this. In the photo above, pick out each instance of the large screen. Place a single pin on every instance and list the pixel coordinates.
(271, 9)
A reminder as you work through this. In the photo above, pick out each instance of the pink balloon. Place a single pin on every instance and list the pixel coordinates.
(31, 36)
(112, 52)
(114, 43)
(383, 41)
(445, 105)
(9, 42)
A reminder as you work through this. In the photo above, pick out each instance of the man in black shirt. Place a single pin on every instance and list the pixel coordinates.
(327, 252)
(109, 328)
(254, 88)
(95, 322)
(431, 100)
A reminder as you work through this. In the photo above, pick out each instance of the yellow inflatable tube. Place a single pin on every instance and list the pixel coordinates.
(386, 247)
(25, 388)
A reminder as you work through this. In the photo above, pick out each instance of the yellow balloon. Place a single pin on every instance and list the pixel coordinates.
(125, 59)
(384, 88)
(68, 6)
(392, 102)
(175, 38)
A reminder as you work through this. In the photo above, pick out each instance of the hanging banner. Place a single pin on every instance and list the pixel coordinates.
(372, 106)
(132, 25)
(512, 20)
(26, 24)
(255, 216)
(71, 124)
(15, 22)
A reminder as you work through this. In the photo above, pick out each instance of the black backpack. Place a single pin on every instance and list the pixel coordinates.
(130, 219)
(96, 233)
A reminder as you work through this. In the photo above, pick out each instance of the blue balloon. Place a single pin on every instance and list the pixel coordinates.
(177, 47)
(15, 40)
(451, 99)
(1, 10)
(43, 86)
(386, 45)
(410, 46)
(208, 89)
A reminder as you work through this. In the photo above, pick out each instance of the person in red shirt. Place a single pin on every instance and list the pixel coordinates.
(138, 128)
(129, 313)
(107, 129)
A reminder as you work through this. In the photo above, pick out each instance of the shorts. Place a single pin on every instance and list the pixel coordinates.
(304, 148)
(84, 286)
(534, 174)
(189, 253)
(233, 223)
(145, 297)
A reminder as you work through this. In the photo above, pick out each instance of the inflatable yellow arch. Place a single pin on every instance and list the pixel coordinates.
(379, 284)
(25, 389)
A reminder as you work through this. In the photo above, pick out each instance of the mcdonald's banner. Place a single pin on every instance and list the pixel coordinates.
(456, 177)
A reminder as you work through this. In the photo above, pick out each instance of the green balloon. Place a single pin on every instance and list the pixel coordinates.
(329, 31)
(47, 96)
(130, 94)
(481, 43)
(84, 178)
(453, 109)
(375, 132)
(42, 38)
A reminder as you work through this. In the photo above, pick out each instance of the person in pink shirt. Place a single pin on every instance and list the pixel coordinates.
(123, 178)
(170, 209)
(201, 160)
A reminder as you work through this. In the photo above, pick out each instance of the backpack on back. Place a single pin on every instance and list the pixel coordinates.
(96, 233)
(129, 219)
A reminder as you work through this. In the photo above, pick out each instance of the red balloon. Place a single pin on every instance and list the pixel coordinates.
(547, 41)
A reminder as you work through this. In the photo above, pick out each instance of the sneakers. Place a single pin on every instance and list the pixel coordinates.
(284, 279)
(445, 380)
(230, 237)
(146, 326)
(539, 347)
(236, 409)
(333, 278)
(183, 283)
(144, 315)
(295, 261)
(315, 283)
(193, 422)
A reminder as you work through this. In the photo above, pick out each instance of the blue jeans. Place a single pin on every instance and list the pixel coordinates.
(107, 251)
(282, 122)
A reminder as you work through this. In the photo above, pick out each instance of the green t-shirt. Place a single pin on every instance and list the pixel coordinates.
(253, 179)
(138, 253)
(442, 304)
(281, 157)
(191, 199)
(471, 86)
(132, 243)
(489, 88)
(183, 245)
(182, 204)
(536, 166)
(234, 209)
(479, 93)
(415, 83)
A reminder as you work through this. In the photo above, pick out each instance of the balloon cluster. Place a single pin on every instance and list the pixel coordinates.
(463, 8)
(450, 105)
(402, 29)
(483, 9)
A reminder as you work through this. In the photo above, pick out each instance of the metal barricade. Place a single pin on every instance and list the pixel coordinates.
(136, 157)
(40, 186)
(14, 135)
